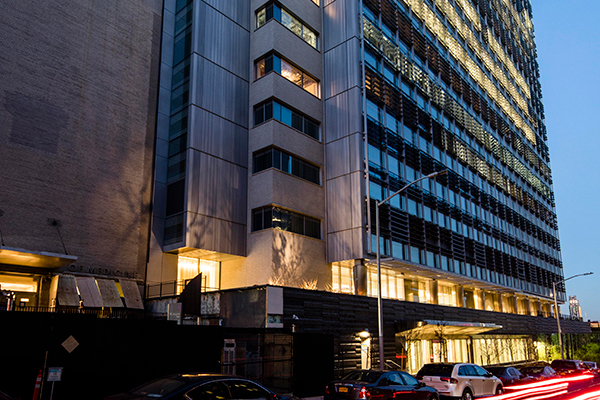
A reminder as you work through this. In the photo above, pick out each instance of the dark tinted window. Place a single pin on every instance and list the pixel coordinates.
(160, 387)
(395, 379)
(563, 364)
(273, 217)
(272, 109)
(436, 370)
(247, 390)
(363, 376)
(472, 371)
(209, 391)
(409, 380)
(498, 371)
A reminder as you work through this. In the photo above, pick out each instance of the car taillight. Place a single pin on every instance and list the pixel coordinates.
(364, 393)
(419, 377)
(502, 379)
(449, 380)
(326, 389)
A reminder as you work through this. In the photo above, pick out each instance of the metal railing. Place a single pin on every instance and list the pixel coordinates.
(172, 288)
(98, 312)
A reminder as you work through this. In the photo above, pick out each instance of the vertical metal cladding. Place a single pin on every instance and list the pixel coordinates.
(343, 131)
(212, 109)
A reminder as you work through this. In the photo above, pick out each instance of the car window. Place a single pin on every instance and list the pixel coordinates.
(209, 391)
(243, 390)
(463, 371)
(395, 379)
(409, 380)
(161, 387)
(479, 371)
(436, 370)
(363, 376)
(495, 370)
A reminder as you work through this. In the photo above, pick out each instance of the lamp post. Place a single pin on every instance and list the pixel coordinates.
(562, 352)
(379, 299)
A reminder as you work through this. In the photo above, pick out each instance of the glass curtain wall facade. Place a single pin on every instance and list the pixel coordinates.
(453, 85)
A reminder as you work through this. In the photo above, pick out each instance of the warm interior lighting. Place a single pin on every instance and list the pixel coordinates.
(18, 283)
(438, 27)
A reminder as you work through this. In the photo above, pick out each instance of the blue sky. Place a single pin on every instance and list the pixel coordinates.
(568, 42)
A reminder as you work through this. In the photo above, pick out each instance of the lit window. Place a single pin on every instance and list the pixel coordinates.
(188, 268)
(272, 62)
(274, 11)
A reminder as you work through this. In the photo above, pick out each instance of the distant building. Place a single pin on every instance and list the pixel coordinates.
(574, 308)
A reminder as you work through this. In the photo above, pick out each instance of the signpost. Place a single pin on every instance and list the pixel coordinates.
(54, 375)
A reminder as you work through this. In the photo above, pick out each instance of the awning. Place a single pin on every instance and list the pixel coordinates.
(131, 293)
(37, 259)
(88, 291)
(65, 288)
(432, 329)
(109, 292)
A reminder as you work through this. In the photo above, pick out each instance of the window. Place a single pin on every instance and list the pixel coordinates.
(247, 390)
(371, 60)
(209, 391)
(273, 62)
(409, 380)
(274, 110)
(274, 217)
(275, 158)
(274, 11)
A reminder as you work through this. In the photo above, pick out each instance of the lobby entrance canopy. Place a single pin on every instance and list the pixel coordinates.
(433, 329)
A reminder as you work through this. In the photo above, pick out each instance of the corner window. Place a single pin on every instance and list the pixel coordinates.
(274, 11)
(272, 109)
(285, 220)
(283, 161)
(273, 62)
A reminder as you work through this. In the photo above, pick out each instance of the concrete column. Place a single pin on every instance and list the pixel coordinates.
(359, 272)
(515, 303)
(460, 296)
(528, 305)
(499, 297)
(481, 295)
(433, 292)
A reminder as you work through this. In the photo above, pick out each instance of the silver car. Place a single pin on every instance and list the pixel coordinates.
(462, 380)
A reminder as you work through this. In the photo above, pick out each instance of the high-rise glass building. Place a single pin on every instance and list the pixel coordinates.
(281, 124)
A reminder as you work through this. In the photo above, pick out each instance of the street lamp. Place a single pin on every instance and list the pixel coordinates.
(562, 352)
(379, 299)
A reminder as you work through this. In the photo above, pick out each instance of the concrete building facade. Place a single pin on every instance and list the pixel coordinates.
(78, 104)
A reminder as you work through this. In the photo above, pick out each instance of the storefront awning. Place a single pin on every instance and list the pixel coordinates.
(433, 329)
(131, 293)
(88, 291)
(36, 259)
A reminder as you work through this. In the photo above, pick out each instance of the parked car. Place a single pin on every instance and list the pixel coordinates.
(463, 380)
(378, 385)
(539, 373)
(591, 366)
(568, 367)
(200, 386)
(509, 375)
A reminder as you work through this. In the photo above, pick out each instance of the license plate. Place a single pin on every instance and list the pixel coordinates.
(342, 389)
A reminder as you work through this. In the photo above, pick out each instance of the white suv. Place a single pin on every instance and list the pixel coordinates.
(462, 380)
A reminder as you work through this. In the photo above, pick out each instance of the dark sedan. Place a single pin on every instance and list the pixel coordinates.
(199, 386)
(379, 385)
(509, 375)
(539, 373)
